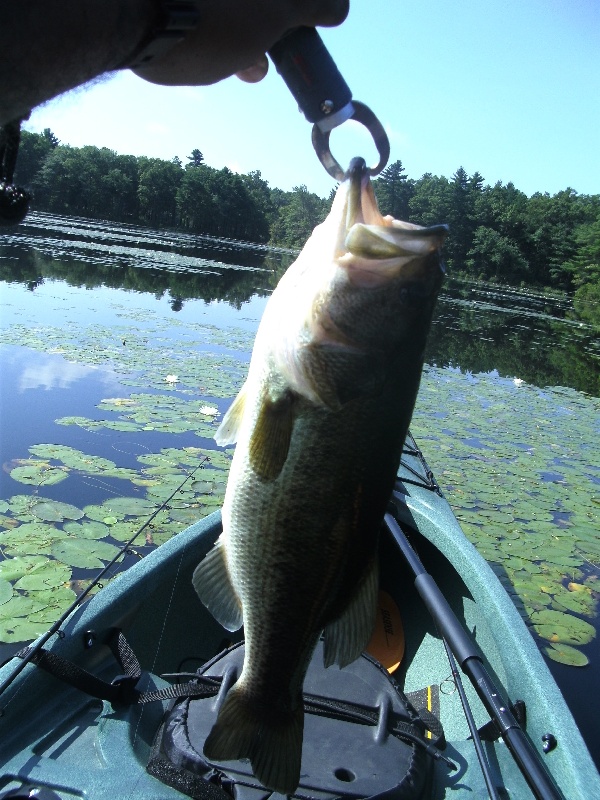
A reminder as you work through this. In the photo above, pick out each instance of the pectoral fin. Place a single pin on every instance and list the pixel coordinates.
(347, 636)
(270, 440)
(227, 432)
(212, 582)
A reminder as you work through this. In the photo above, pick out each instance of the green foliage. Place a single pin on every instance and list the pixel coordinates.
(492, 255)
(196, 159)
(298, 214)
(99, 183)
(33, 149)
(393, 191)
(496, 232)
(158, 182)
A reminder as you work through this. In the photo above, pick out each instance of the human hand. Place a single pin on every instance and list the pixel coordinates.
(233, 36)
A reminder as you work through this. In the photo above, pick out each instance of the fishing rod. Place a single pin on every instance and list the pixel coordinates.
(485, 768)
(471, 662)
(41, 641)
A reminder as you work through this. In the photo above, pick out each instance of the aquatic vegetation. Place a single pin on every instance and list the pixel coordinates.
(521, 467)
(142, 354)
(519, 464)
(43, 540)
(152, 412)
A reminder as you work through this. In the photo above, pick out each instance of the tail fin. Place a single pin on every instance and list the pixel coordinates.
(270, 738)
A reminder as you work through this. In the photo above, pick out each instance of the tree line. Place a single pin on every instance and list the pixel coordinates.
(99, 183)
(496, 232)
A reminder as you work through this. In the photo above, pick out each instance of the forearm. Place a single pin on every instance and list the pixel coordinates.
(50, 46)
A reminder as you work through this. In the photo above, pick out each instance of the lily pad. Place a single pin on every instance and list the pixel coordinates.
(6, 591)
(84, 553)
(578, 602)
(61, 600)
(87, 530)
(53, 511)
(11, 569)
(20, 630)
(97, 513)
(21, 605)
(565, 654)
(39, 474)
(49, 575)
(129, 506)
(563, 628)
(31, 538)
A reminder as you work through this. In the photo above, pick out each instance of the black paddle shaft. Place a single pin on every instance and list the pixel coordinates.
(470, 659)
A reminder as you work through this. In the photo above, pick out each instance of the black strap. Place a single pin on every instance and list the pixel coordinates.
(122, 689)
(188, 783)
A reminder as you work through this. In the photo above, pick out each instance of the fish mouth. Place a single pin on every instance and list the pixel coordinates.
(357, 176)
(357, 169)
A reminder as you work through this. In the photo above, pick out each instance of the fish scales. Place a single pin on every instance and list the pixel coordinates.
(319, 426)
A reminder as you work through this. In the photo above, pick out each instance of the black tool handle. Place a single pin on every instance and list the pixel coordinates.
(468, 654)
(310, 73)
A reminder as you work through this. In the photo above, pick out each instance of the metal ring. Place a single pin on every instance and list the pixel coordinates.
(366, 117)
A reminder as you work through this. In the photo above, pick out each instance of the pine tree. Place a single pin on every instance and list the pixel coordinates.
(196, 159)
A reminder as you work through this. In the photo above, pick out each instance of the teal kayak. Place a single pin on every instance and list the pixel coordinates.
(83, 717)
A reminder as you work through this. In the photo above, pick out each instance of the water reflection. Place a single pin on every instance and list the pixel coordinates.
(479, 328)
(183, 267)
(520, 339)
(53, 372)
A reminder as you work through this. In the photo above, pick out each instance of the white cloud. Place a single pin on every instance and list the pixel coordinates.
(43, 372)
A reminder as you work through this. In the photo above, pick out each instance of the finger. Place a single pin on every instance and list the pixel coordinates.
(324, 12)
(255, 73)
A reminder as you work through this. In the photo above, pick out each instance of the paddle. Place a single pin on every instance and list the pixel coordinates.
(471, 662)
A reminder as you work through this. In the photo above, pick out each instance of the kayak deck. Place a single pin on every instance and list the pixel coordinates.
(55, 736)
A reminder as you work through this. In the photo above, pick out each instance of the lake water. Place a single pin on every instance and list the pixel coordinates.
(120, 347)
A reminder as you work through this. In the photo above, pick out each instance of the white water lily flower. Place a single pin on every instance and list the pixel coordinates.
(212, 412)
(172, 378)
(518, 381)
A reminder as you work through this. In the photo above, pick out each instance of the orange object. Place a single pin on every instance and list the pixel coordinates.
(387, 641)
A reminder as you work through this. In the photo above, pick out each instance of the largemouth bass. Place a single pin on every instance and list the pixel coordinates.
(319, 425)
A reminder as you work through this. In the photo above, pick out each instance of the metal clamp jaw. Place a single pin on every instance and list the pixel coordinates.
(360, 113)
(323, 96)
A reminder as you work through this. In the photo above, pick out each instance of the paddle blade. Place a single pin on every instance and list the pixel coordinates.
(387, 641)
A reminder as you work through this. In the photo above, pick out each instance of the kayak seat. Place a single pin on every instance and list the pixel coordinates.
(362, 737)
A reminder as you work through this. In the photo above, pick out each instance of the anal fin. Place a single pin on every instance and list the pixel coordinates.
(213, 585)
(348, 635)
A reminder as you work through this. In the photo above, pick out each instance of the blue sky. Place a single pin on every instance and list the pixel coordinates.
(509, 88)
